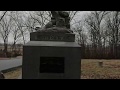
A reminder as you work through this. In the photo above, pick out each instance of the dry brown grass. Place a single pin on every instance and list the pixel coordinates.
(90, 69)
(13, 74)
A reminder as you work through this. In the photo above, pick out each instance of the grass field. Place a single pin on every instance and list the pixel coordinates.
(90, 69)
(13, 74)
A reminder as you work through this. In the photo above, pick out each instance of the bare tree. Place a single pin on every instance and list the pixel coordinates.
(30, 24)
(16, 36)
(72, 14)
(3, 15)
(20, 23)
(113, 31)
(40, 17)
(5, 28)
(81, 37)
(80, 33)
(93, 23)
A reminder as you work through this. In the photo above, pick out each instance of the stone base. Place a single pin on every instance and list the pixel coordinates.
(51, 60)
(53, 34)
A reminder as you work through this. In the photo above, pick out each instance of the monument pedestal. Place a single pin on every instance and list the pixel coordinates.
(44, 59)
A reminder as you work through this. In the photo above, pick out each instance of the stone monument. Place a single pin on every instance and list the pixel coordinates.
(52, 52)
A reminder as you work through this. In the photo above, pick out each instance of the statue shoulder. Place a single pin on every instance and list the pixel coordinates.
(63, 14)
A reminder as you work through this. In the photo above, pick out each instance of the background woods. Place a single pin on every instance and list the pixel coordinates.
(98, 32)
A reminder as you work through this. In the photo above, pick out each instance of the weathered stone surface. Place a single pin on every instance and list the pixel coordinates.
(55, 29)
(34, 51)
(53, 34)
(41, 36)
(52, 44)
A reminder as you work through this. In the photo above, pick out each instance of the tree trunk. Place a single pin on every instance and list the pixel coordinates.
(5, 49)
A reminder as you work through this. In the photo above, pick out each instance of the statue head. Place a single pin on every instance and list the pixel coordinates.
(59, 19)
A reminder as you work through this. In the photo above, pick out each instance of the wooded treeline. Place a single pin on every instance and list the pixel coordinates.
(99, 35)
(98, 32)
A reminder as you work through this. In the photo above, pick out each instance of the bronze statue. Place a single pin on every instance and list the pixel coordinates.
(59, 19)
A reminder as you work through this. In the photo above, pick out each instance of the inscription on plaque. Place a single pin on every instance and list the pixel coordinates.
(52, 37)
(51, 64)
